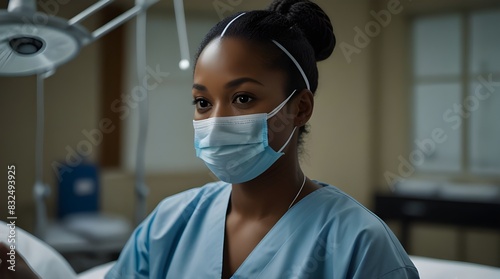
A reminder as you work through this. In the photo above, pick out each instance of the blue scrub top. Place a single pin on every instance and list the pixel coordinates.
(327, 234)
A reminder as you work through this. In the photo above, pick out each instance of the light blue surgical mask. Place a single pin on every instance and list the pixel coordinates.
(236, 148)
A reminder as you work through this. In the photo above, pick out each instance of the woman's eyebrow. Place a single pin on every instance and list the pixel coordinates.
(199, 87)
(239, 81)
(231, 84)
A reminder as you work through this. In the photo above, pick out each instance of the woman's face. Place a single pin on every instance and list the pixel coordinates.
(231, 79)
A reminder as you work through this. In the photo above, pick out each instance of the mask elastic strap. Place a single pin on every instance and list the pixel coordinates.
(294, 62)
(227, 26)
(280, 106)
(289, 138)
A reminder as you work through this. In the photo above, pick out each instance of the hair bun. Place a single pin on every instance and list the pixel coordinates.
(313, 22)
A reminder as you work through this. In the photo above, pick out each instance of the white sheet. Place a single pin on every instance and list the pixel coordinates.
(429, 268)
(46, 261)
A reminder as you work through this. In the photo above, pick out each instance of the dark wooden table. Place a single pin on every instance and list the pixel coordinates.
(463, 212)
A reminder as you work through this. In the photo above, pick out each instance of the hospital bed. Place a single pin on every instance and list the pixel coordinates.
(48, 263)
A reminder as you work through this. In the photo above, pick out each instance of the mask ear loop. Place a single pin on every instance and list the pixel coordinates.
(273, 113)
(288, 140)
(280, 106)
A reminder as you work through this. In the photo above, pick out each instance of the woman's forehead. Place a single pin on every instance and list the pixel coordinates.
(233, 57)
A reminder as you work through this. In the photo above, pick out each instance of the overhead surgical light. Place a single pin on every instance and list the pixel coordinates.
(32, 42)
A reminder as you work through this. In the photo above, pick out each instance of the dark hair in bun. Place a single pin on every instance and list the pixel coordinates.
(313, 22)
(300, 26)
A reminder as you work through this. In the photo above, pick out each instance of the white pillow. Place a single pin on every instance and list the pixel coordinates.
(42, 258)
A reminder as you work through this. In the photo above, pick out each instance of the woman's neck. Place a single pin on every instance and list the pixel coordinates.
(271, 193)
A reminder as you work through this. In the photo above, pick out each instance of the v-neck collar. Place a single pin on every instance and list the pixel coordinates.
(271, 243)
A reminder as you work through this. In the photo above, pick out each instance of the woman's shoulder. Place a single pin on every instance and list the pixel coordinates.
(344, 213)
(360, 233)
(335, 202)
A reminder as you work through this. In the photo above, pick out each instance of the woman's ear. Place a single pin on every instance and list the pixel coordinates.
(304, 103)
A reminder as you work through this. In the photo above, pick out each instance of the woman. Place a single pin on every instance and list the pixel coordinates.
(254, 80)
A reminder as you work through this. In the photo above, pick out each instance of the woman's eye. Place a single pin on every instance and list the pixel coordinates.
(243, 99)
(201, 103)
